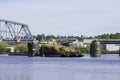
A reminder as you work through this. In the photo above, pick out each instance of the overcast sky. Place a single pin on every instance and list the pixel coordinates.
(64, 17)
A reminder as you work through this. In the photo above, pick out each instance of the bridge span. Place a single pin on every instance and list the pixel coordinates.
(109, 41)
(11, 31)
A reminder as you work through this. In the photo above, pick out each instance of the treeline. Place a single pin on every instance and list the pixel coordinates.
(19, 48)
(109, 36)
(103, 36)
(48, 37)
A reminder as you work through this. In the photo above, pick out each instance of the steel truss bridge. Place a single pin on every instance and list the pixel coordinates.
(11, 31)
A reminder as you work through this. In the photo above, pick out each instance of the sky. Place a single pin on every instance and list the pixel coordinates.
(64, 17)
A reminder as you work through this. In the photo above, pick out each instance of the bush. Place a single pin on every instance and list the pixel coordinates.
(2, 47)
(81, 49)
(8, 50)
(22, 48)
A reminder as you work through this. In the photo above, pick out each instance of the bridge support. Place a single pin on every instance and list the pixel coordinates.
(30, 49)
(95, 49)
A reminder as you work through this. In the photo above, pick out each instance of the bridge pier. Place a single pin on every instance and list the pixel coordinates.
(119, 51)
(95, 49)
(30, 49)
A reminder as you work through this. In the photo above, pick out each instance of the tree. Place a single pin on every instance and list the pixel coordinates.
(105, 36)
(22, 48)
(117, 36)
(2, 47)
(109, 36)
(38, 37)
(48, 37)
(41, 37)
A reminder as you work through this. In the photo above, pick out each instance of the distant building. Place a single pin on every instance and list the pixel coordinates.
(112, 47)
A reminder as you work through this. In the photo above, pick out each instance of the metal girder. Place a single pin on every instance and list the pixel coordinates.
(11, 31)
(109, 41)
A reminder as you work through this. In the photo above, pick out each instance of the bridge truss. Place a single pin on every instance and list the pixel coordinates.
(14, 32)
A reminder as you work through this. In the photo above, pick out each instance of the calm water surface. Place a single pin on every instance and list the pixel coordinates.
(42, 68)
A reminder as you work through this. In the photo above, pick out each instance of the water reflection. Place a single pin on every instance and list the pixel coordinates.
(14, 72)
(24, 68)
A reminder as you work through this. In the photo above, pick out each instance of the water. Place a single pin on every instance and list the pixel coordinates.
(42, 68)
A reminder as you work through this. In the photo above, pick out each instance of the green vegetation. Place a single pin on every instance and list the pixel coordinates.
(3, 48)
(81, 49)
(103, 36)
(108, 36)
(85, 49)
(22, 48)
(40, 37)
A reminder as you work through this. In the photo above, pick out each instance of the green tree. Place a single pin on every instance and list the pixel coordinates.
(22, 48)
(48, 37)
(41, 37)
(117, 36)
(109, 36)
(38, 37)
(3, 47)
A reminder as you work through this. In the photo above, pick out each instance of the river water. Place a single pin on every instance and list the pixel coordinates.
(43, 68)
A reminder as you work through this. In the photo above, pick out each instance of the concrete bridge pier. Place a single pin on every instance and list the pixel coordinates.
(95, 49)
(30, 49)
